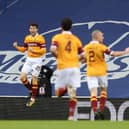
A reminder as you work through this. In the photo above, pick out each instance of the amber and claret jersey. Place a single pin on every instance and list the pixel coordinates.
(96, 65)
(68, 48)
(37, 43)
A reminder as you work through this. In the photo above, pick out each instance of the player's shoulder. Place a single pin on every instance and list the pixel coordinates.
(87, 45)
(27, 36)
(40, 36)
(102, 45)
(57, 36)
(75, 36)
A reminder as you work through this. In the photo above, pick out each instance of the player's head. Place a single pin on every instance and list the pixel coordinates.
(33, 28)
(97, 35)
(66, 24)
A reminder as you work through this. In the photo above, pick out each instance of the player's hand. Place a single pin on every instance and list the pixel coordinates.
(127, 50)
(31, 50)
(15, 44)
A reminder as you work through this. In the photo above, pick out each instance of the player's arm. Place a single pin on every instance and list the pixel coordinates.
(82, 55)
(117, 53)
(20, 48)
(82, 59)
(53, 49)
(81, 52)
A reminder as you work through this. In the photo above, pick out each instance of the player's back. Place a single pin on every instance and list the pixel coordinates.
(68, 45)
(96, 65)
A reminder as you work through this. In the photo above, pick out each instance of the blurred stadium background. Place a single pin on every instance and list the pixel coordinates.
(110, 16)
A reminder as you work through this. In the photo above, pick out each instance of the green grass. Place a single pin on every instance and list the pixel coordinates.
(53, 124)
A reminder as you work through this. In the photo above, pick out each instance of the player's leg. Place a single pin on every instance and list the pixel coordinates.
(74, 83)
(93, 99)
(103, 92)
(25, 81)
(103, 95)
(61, 91)
(93, 87)
(61, 81)
(72, 102)
(35, 72)
(103, 98)
(23, 77)
(34, 92)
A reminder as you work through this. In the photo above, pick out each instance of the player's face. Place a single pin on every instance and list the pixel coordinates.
(100, 37)
(33, 30)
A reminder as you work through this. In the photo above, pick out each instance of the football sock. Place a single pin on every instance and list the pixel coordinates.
(103, 98)
(27, 84)
(94, 103)
(34, 91)
(72, 106)
(61, 91)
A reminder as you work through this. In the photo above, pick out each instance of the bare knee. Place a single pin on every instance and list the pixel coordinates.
(61, 91)
(103, 89)
(34, 80)
(93, 91)
(72, 93)
(23, 77)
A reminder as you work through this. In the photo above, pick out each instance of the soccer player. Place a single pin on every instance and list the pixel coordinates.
(66, 47)
(97, 70)
(34, 44)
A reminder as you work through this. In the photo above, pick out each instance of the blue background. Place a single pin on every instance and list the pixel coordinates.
(15, 18)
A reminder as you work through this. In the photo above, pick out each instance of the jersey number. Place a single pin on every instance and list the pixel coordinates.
(68, 47)
(91, 56)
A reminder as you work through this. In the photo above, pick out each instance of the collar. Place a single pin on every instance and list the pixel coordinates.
(66, 32)
(94, 42)
(35, 35)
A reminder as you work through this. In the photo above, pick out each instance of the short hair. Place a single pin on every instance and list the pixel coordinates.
(34, 24)
(95, 32)
(66, 24)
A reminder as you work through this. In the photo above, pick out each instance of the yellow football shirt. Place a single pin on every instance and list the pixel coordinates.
(96, 65)
(68, 47)
(37, 43)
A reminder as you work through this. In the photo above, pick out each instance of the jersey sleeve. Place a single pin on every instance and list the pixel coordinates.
(106, 50)
(80, 47)
(42, 42)
(26, 40)
(24, 47)
(54, 42)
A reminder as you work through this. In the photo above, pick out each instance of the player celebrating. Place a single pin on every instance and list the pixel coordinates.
(97, 70)
(34, 44)
(66, 47)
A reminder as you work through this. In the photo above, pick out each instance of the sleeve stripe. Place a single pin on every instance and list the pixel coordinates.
(80, 50)
(25, 45)
(55, 44)
(108, 51)
(43, 46)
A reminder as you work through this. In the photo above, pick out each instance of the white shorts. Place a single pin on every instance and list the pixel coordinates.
(32, 66)
(97, 81)
(68, 77)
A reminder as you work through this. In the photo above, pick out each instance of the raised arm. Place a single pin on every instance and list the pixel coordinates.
(19, 48)
(119, 53)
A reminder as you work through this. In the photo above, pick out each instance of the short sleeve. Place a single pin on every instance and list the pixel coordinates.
(54, 41)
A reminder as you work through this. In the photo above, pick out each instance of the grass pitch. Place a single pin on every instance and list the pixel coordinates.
(60, 124)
